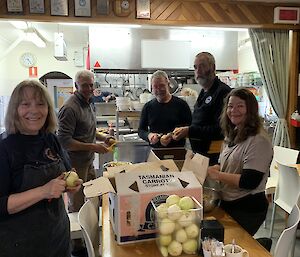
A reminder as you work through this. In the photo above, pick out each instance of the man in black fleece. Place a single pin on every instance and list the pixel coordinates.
(205, 125)
(162, 114)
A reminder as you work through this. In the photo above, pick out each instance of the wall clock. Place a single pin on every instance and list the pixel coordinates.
(122, 8)
(28, 60)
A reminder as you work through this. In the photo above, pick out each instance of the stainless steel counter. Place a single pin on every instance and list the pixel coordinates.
(130, 148)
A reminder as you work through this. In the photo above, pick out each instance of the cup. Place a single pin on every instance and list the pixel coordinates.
(206, 253)
(238, 251)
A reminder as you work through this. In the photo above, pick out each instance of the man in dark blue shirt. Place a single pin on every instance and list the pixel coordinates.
(205, 126)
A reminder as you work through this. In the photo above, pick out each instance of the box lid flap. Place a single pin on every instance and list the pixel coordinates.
(96, 187)
(196, 163)
(160, 165)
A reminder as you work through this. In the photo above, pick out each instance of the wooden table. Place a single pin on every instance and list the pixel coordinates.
(149, 249)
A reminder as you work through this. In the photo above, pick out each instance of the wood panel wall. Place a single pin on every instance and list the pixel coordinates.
(171, 12)
(187, 13)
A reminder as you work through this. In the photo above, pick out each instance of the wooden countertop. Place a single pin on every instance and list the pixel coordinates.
(149, 248)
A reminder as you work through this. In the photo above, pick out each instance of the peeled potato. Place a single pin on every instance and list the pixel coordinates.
(164, 137)
(71, 178)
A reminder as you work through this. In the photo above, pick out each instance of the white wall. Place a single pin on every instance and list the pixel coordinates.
(12, 72)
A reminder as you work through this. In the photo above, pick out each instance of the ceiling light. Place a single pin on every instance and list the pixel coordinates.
(19, 24)
(33, 36)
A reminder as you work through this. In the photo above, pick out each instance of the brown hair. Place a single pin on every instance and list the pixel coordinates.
(253, 123)
(12, 121)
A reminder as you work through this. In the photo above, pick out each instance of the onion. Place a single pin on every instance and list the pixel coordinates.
(190, 246)
(187, 218)
(181, 236)
(192, 231)
(186, 203)
(166, 226)
(174, 212)
(162, 210)
(172, 199)
(165, 240)
(164, 251)
(175, 248)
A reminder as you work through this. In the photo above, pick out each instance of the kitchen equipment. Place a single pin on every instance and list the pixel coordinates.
(173, 86)
(211, 199)
(212, 229)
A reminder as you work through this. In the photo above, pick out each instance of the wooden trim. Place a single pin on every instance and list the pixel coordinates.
(172, 12)
(293, 82)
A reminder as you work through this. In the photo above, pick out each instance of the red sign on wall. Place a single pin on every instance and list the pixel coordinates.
(287, 15)
(33, 72)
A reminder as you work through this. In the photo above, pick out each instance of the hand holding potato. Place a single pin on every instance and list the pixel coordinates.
(54, 188)
(213, 172)
(166, 139)
(153, 138)
(180, 132)
(73, 182)
(100, 148)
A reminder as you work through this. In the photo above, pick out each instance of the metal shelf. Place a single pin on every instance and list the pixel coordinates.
(124, 114)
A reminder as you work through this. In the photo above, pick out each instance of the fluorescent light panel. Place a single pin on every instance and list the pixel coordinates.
(105, 25)
(34, 37)
(19, 24)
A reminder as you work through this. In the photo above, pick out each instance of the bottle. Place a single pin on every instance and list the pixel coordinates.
(116, 154)
(297, 116)
(111, 130)
(294, 114)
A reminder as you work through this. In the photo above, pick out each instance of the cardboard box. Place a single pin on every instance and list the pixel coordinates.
(131, 189)
(131, 213)
(185, 160)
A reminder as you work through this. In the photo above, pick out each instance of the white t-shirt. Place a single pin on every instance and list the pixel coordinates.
(255, 153)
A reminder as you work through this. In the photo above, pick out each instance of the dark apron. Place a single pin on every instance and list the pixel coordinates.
(42, 230)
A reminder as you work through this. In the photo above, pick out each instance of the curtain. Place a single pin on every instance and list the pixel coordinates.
(271, 50)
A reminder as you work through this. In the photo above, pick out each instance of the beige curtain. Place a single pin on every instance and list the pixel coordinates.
(271, 50)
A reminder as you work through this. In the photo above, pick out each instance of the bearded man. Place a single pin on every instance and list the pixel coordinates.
(205, 126)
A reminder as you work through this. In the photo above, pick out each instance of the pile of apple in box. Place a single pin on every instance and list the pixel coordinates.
(178, 220)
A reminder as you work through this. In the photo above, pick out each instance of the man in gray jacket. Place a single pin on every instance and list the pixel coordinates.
(77, 133)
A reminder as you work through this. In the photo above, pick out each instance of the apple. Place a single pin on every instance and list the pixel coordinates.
(71, 178)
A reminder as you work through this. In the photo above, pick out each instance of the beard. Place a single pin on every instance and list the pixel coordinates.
(202, 81)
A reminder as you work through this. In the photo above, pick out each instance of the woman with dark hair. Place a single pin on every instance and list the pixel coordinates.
(33, 218)
(244, 161)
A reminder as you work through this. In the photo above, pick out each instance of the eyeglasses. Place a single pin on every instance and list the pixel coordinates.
(85, 85)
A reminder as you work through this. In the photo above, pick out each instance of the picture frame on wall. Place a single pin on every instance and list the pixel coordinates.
(82, 8)
(37, 6)
(143, 9)
(59, 8)
(14, 5)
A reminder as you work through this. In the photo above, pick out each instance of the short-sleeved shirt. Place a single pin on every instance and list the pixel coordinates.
(77, 120)
(255, 153)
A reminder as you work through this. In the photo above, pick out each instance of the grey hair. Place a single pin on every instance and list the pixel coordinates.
(160, 74)
(209, 56)
(83, 74)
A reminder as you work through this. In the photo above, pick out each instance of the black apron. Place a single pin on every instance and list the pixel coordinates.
(42, 230)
